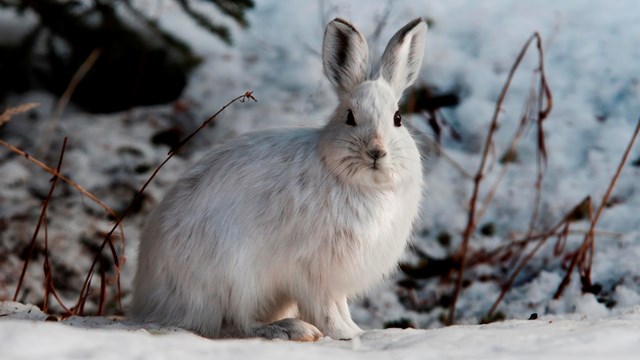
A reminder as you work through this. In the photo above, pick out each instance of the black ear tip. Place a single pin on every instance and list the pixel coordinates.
(344, 22)
(410, 26)
(415, 22)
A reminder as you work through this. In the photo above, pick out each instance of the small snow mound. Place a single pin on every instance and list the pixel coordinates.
(19, 311)
(588, 305)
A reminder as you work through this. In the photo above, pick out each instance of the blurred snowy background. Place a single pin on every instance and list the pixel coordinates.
(591, 62)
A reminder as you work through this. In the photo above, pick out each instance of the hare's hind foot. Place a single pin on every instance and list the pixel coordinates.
(287, 329)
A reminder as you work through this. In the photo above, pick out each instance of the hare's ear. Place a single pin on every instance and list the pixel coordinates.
(345, 56)
(402, 58)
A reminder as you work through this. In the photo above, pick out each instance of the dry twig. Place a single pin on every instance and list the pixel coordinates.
(561, 230)
(43, 213)
(10, 112)
(84, 292)
(48, 275)
(82, 190)
(68, 92)
(583, 258)
(49, 288)
(488, 146)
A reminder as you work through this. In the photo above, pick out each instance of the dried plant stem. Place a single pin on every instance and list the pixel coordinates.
(10, 112)
(46, 265)
(483, 257)
(75, 81)
(49, 287)
(524, 121)
(453, 162)
(68, 92)
(440, 150)
(605, 198)
(561, 229)
(48, 275)
(43, 213)
(589, 239)
(544, 96)
(509, 283)
(103, 288)
(82, 190)
(488, 145)
(381, 23)
(84, 292)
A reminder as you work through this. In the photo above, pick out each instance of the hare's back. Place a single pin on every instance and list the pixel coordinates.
(258, 159)
(244, 184)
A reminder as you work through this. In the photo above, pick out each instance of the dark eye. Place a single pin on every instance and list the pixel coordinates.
(350, 119)
(397, 119)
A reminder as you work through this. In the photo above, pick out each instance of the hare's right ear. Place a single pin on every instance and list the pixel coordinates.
(402, 58)
(345, 56)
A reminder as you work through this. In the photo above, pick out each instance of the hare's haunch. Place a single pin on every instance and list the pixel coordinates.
(270, 233)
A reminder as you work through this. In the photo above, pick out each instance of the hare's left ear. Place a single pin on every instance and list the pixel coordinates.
(402, 58)
(345, 56)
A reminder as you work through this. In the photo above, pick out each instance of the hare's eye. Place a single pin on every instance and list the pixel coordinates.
(397, 119)
(350, 119)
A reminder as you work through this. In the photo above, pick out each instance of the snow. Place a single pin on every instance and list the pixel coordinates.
(591, 62)
(101, 338)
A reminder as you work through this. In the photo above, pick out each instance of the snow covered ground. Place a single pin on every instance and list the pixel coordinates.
(592, 66)
(613, 337)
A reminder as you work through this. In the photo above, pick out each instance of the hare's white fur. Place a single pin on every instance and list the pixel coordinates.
(285, 224)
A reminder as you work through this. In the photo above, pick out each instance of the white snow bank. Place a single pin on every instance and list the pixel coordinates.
(25, 335)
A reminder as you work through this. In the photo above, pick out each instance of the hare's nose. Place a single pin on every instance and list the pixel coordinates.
(376, 153)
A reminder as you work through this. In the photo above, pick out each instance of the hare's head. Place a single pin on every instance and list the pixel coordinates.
(365, 142)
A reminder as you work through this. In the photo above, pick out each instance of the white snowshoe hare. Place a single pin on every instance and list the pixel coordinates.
(271, 233)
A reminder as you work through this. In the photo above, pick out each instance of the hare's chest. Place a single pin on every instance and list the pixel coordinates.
(368, 246)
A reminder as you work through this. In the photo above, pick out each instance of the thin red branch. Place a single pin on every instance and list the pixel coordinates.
(81, 189)
(43, 212)
(46, 266)
(103, 287)
(488, 145)
(563, 228)
(589, 239)
(84, 292)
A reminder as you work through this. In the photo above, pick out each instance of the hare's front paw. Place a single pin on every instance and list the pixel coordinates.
(287, 329)
(343, 333)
